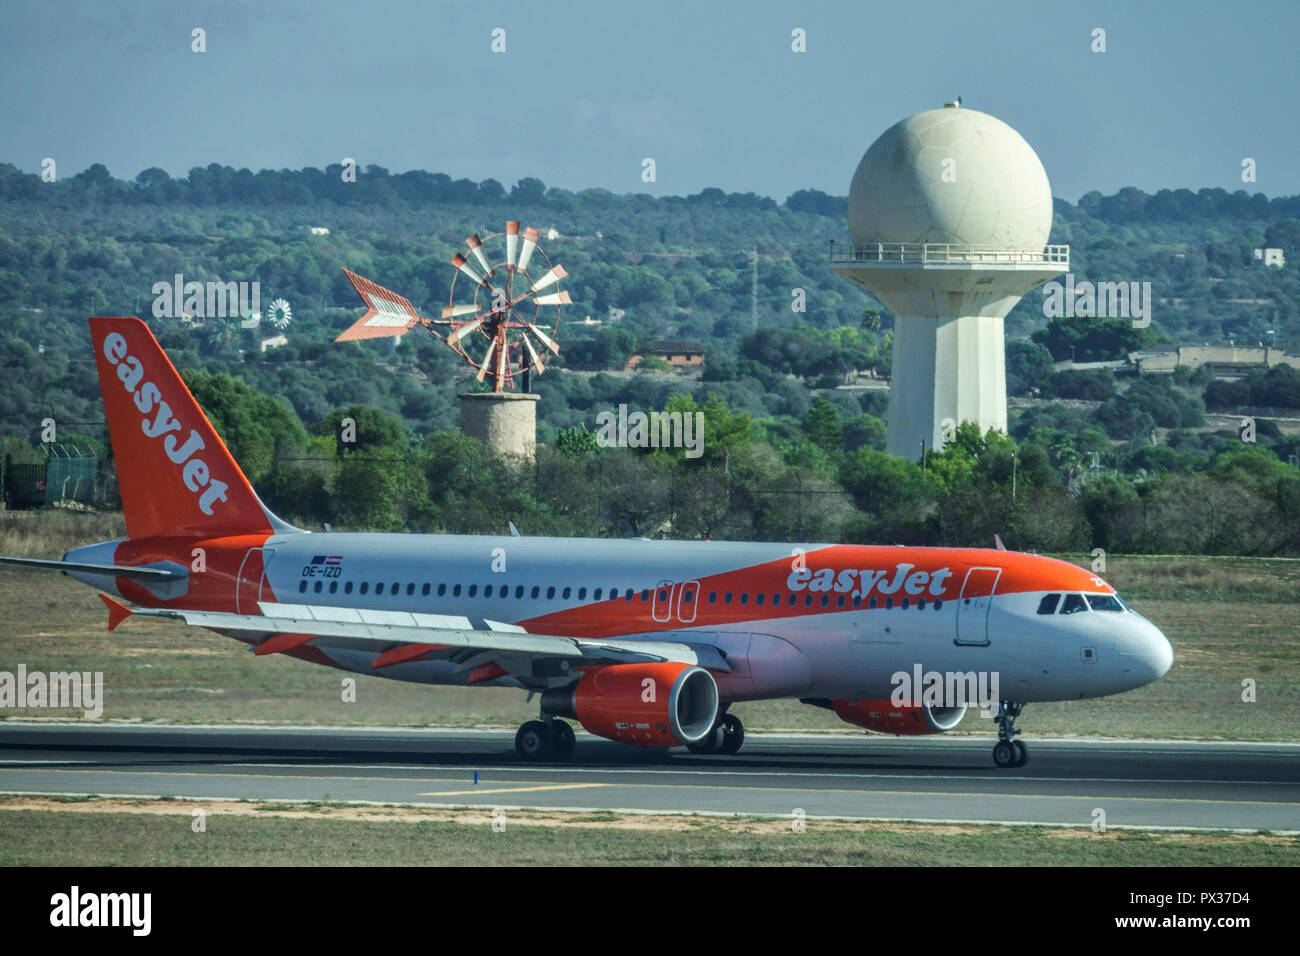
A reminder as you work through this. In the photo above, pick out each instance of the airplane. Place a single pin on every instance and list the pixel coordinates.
(646, 642)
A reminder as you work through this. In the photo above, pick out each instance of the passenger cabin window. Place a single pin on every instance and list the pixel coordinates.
(550, 593)
(1048, 604)
(1073, 604)
(1103, 602)
(442, 589)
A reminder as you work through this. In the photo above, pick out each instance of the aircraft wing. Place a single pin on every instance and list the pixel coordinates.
(404, 636)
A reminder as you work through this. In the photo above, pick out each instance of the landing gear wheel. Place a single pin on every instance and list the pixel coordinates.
(710, 743)
(1009, 752)
(562, 740)
(533, 741)
(733, 734)
(1004, 755)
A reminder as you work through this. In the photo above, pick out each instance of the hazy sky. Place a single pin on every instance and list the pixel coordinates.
(711, 90)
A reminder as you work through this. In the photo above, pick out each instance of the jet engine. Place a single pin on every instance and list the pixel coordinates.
(652, 705)
(885, 717)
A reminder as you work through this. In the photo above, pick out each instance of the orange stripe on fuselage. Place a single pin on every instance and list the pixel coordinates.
(938, 573)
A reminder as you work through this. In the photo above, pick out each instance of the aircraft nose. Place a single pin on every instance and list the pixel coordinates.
(1149, 653)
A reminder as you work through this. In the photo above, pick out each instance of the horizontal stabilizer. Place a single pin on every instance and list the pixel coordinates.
(117, 570)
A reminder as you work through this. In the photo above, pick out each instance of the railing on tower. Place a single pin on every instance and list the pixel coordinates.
(947, 252)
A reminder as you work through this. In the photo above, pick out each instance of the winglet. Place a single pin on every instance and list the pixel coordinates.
(117, 611)
(997, 541)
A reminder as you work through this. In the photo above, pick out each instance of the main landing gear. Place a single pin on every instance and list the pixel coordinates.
(726, 737)
(1009, 752)
(545, 740)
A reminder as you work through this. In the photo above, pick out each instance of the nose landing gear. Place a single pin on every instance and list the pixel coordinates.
(1009, 752)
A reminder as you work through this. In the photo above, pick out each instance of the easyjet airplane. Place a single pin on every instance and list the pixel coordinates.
(643, 642)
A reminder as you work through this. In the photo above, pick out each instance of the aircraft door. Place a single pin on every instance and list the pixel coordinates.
(662, 607)
(973, 605)
(688, 596)
(251, 582)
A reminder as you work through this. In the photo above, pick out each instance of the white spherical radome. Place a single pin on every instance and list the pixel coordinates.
(951, 175)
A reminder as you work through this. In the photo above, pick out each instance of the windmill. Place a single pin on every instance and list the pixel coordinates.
(502, 313)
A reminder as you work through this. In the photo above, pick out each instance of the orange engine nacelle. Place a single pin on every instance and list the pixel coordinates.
(885, 717)
(651, 705)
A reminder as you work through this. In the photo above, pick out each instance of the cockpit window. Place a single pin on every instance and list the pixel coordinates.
(1104, 602)
(1048, 604)
(1073, 604)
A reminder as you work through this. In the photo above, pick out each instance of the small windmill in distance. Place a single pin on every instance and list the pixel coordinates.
(502, 308)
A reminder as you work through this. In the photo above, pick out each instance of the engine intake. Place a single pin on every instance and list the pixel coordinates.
(651, 705)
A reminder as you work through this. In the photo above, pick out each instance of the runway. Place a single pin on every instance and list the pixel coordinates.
(1162, 784)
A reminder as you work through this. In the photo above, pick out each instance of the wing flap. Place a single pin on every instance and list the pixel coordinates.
(399, 636)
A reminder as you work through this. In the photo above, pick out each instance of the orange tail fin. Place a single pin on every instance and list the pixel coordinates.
(176, 475)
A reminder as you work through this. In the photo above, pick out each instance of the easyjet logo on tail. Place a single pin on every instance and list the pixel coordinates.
(163, 424)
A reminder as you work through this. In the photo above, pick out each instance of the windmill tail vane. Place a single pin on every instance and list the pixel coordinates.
(502, 313)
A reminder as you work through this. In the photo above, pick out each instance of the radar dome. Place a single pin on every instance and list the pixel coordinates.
(951, 175)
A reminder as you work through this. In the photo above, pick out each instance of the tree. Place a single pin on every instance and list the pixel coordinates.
(1029, 366)
(823, 426)
(255, 427)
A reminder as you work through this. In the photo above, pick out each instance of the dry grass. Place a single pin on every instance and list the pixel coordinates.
(129, 832)
(53, 533)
